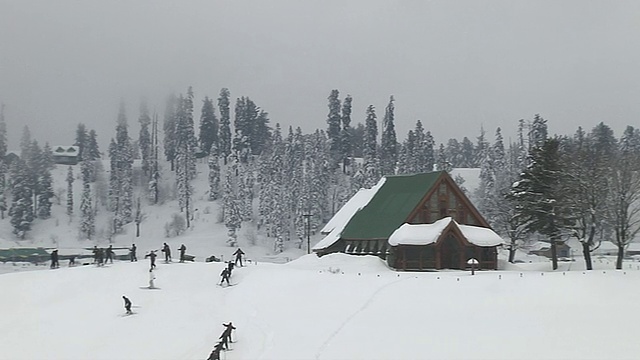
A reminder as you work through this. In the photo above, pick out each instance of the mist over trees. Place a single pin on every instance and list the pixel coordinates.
(540, 186)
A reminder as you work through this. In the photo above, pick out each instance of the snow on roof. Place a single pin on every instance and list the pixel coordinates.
(337, 223)
(424, 234)
(418, 234)
(357, 202)
(481, 236)
(64, 150)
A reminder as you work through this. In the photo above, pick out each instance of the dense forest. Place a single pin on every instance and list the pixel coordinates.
(550, 187)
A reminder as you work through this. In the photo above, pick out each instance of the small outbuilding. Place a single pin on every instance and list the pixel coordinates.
(66, 155)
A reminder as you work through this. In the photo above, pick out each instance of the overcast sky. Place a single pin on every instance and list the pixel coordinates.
(455, 65)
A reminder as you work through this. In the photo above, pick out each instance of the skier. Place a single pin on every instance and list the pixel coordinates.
(215, 354)
(100, 257)
(227, 331)
(109, 254)
(54, 259)
(152, 256)
(230, 266)
(133, 253)
(95, 254)
(225, 276)
(127, 305)
(182, 251)
(238, 255)
(152, 276)
(167, 253)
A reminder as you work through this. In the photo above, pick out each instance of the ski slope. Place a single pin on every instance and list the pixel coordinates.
(336, 307)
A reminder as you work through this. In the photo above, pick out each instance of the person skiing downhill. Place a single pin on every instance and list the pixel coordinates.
(167, 253)
(152, 257)
(238, 255)
(227, 331)
(133, 253)
(182, 249)
(127, 304)
(225, 276)
(230, 266)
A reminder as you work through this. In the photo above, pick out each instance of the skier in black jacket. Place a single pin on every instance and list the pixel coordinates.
(109, 253)
(230, 266)
(227, 331)
(133, 253)
(182, 249)
(127, 304)
(54, 259)
(167, 253)
(238, 255)
(152, 256)
(225, 276)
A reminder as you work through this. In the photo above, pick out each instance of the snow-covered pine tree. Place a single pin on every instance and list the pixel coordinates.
(3, 134)
(70, 180)
(93, 151)
(389, 142)
(333, 129)
(346, 134)
(21, 210)
(538, 132)
(443, 163)
(224, 135)
(540, 197)
(208, 126)
(481, 146)
(453, 152)
(169, 127)
(214, 174)
(87, 215)
(45, 184)
(139, 216)
(466, 153)
(185, 156)
(144, 138)
(81, 139)
(125, 168)
(230, 210)
(370, 152)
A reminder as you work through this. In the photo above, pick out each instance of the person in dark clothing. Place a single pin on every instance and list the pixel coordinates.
(182, 249)
(215, 354)
(227, 331)
(224, 341)
(95, 254)
(238, 255)
(109, 254)
(72, 260)
(100, 256)
(127, 304)
(152, 257)
(132, 253)
(167, 252)
(54, 259)
(230, 266)
(225, 276)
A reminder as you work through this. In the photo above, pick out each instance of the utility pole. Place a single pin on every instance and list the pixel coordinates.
(307, 223)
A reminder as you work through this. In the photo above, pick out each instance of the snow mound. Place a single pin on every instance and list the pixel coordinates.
(344, 262)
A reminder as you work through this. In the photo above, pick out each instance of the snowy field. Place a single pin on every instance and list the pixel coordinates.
(336, 307)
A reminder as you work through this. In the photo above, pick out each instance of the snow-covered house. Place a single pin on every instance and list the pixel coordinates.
(66, 155)
(415, 222)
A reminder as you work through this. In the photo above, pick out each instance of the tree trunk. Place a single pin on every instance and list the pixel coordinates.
(620, 256)
(512, 252)
(554, 255)
(137, 229)
(587, 255)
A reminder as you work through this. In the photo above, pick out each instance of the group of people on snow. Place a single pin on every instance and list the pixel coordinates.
(226, 272)
(223, 344)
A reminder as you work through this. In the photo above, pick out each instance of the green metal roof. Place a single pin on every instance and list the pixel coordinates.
(390, 206)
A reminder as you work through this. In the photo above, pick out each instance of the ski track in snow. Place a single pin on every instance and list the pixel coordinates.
(352, 316)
